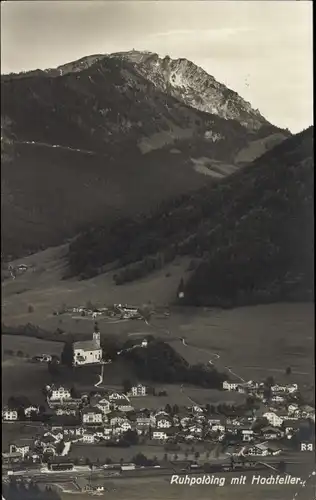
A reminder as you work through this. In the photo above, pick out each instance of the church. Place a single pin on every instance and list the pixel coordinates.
(88, 351)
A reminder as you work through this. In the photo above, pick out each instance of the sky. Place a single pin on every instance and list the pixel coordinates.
(260, 49)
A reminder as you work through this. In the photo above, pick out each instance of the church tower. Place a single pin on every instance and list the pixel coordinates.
(96, 335)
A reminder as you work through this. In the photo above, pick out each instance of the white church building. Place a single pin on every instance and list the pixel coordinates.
(88, 351)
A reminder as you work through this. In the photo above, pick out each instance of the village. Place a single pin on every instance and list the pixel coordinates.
(139, 427)
(273, 421)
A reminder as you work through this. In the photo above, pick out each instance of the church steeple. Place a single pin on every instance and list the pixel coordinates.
(96, 334)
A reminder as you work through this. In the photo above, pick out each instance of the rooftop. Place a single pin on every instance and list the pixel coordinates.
(87, 345)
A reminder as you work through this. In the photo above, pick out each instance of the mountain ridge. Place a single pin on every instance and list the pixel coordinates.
(103, 135)
(179, 77)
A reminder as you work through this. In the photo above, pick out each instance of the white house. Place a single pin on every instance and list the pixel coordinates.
(23, 449)
(145, 420)
(273, 418)
(218, 427)
(247, 434)
(9, 415)
(59, 393)
(139, 390)
(116, 419)
(104, 405)
(88, 437)
(163, 422)
(258, 450)
(270, 433)
(92, 416)
(159, 434)
(144, 343)
(88, 351)
(230, 386)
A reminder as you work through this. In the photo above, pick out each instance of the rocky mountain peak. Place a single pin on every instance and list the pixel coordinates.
(192, 85)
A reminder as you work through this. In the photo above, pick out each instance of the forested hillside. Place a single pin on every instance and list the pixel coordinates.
(250, 235)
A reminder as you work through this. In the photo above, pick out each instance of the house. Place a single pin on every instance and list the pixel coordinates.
(242, 389)
(31, 410)
(291, 427)
(291, 388)
(145, 419)
(258, 450)
(88, 437)
(125, 407)
(104, 405)
(73, 432)
(163, 422)
(58, 393)
(9, 415)
(273, 418)
(269, 433)
(195, 430)
(92, 415)
(125, 426)
(246, 434)
(88, 351)
(21, 448)
(214, 419)
(278, 388)
(57, 436)
(116, 419)
(159, 434)
(66, 411)
(230, 386)
(118, 398)
(252, 385)
(293, 409)
(144, 343)
(308, 411)
(139, 390)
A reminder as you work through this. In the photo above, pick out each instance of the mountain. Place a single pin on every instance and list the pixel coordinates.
(193, 86)
(95, 139)
(250, 235)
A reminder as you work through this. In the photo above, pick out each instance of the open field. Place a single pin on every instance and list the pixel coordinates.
(30, 346)
(19, 431)
(42, 287)
(102, 452)
(158, 488)
(22, 378)
(254, 341)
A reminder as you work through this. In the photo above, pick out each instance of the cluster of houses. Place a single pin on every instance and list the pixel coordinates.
(111, 416)
(117, 311)
(278, 393)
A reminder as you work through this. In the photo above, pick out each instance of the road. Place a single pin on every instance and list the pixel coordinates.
(58, 146)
